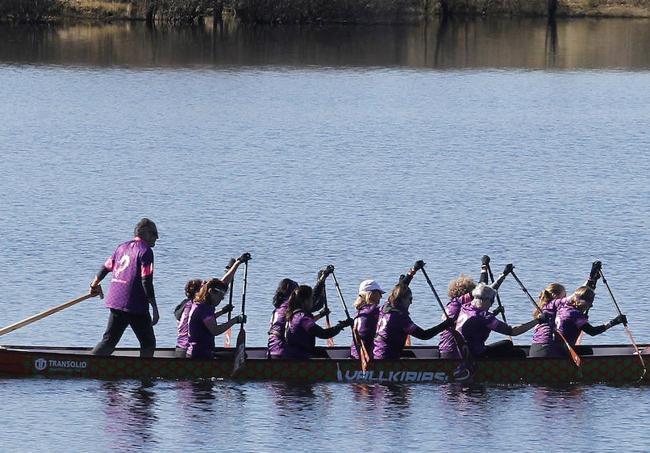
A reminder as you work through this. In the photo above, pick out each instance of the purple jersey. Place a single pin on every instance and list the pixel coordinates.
(569, 321)
(447, 343)
(365, 323)
(544, 332)
(277, 343)
(183, 339)
(201, 340)
(300, 341)
(475, 325)
(131, 262)
(392, 329)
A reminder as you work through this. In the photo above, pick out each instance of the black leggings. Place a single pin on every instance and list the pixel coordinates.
(118, 321)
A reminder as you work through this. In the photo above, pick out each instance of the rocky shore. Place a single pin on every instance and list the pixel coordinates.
(310, 11)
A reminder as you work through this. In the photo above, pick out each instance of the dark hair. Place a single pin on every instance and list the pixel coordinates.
(145, 225)
(297, 300)
(210, 284)
(398, 294)
(285, 288)
(192, 287)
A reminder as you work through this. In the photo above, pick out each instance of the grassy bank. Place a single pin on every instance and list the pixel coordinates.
(308, 11)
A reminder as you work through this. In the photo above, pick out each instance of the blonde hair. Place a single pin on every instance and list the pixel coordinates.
(460, 286)
(583, 294)
(551, 292)
(362, 299)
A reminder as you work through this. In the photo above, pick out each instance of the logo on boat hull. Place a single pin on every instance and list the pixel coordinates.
(390, 376)
(42, 364)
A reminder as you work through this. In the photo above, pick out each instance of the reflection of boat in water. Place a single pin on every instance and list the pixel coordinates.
(615, 364)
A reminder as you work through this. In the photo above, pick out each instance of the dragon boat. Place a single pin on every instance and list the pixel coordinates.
(610, 364)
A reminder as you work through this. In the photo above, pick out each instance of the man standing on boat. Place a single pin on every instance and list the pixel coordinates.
(131, 291)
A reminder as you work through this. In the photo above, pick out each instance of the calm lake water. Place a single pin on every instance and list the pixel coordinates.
(365, 147)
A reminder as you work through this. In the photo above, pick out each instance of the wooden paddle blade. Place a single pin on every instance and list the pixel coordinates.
(240, 352)
(572, 352)
(407, 343)
(330, 342)
(227, 337)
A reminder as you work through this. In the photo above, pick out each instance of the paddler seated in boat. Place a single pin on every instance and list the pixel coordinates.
(181, 312)
(553, 297)
(395, 324)
(277, 341)
(365, 321)
(301, 330)
(573, 318)
(475, 322)
(202, 323)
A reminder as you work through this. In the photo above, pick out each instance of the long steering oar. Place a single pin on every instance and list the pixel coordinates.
(574, 355)
(627, 329)
(468, 365)
(358, 344)
(227, 337)
(51, 311)
(240, 350)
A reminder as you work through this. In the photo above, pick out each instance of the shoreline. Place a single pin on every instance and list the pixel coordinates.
(310, 11)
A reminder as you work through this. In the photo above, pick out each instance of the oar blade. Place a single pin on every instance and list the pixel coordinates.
(240, 352)
(227, 337)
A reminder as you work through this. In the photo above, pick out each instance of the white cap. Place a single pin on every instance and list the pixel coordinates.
(370, 285)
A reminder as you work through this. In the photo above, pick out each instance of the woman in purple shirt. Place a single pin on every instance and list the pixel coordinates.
(572, 317)
(276, 341)
(460, 293)
(543, 344)
(395, 324)
(182, 312)
(202, 323)
(365, 322)
(301, 330)
(475, 323)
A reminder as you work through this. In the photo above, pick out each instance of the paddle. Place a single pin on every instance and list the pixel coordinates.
(358, 344)
(627, 329)
(503, 313)
(51, 311)
(228, 335)
(468, 365)
(240, 349)
(572, 353)
(330, 341)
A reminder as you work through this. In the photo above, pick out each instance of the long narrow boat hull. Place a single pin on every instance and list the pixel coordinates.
(608, 364)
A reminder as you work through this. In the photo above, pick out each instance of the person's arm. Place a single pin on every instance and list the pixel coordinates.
(319, 293)
(103, 272)
(218, 329)
(230, 273)
(324, 334)
(146, 276)
(597, 330)
(406, 279)
(507, 270)
(513, 331)
(226, 309)
(428, 334)
(594, 275)
(485, 261)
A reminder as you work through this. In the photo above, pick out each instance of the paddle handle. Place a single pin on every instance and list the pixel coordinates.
(358, 343)
(503, 315)
(243, 294)
(48, 312)
(338, 291)
(627, 329)
(435, 293)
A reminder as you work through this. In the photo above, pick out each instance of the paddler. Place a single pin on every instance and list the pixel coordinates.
(395, 323)
(552, 300)
(301, 329)
(475, 322)
(365, 321)
(182, 312)
(131, 291)
(202, 322)
(277, 341)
